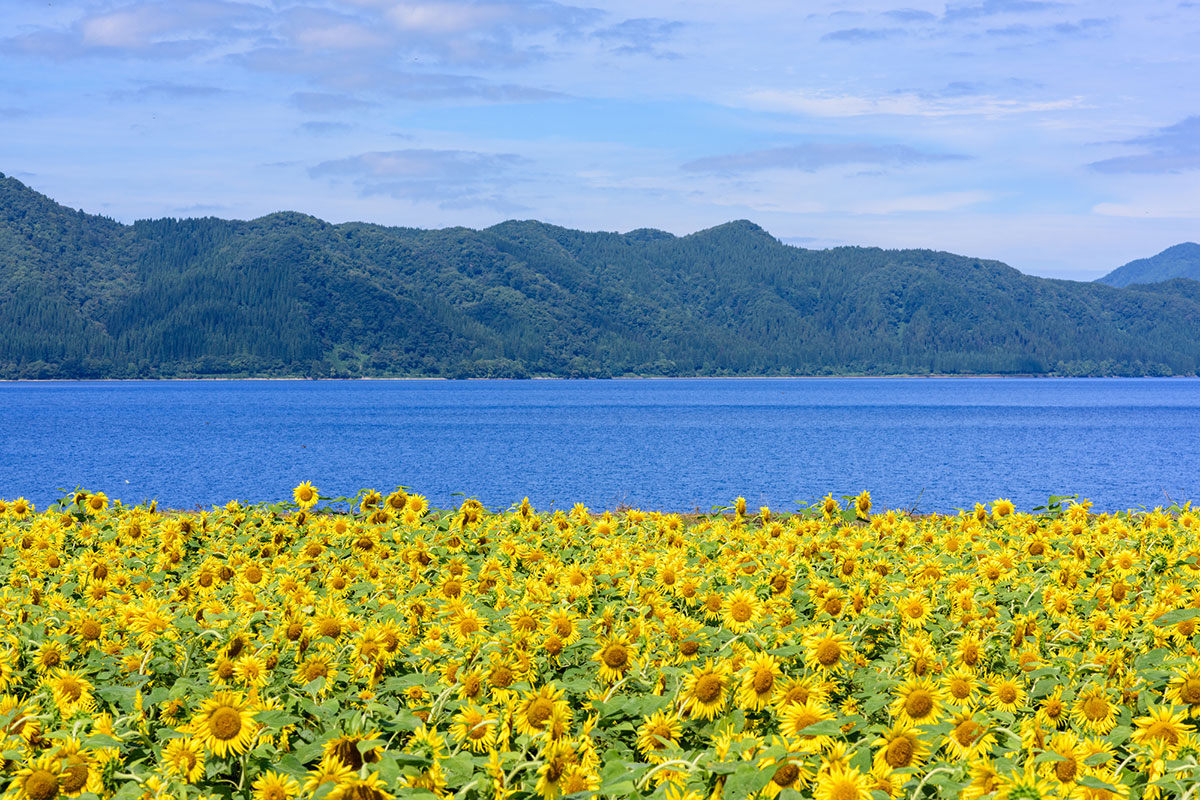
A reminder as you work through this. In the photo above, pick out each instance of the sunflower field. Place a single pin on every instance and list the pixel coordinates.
(373, 647)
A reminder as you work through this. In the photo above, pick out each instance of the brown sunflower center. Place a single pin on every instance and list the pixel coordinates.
(764, 681)
(1007, 693)
(740, 610)
(616, 656)
(273, 792)
(689, 647)
(71, 688)
(225, 723)
(918, 704)
(90, 630)
(708, 688)
(1164, 731)
(501, 677)
(967, 731)
(539, 711)
(1095, 707)
(77, 775)
(1066, 770)
(786, 775)
(41, 785)
(1190, 691)
(829, 652)
(899, 752)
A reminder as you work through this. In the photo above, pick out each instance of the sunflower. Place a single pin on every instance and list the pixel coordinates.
(50, 654)
(842, 782)
(914, 610)
(474, 728)
(826, 651)
(1184, 689)
(616, 656)
(798, 717)
(799, 690)
(918, 702)
(1006, 694)
(224, 724)
(42, 779)
(659, 731)
(465, 624)
(1069, 766)
(900, 747)
(959, 684)
(1002, 508)
(1024, 784)
(536, 708)
(968, 737)
(1052, 712)
(704, 689)
(352, 749)
(82, 772)
(184, 757)
(787, 772)
(1165, 726)
(357, 788)
(1094, 711)
(759, 680)
(305, 495)
(862, 505)
(72, 692)
(272, 785)
(563, 624)
(557, 760)
(741, 611)
(19, 719)
(330, 770)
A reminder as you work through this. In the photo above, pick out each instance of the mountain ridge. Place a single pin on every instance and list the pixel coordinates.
(288, 294)
(1178, 261)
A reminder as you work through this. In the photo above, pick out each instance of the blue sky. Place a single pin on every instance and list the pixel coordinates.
(1060, 137)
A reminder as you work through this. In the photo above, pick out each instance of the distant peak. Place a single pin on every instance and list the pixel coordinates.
(1181, 249)
(648, 235)
(740, 227)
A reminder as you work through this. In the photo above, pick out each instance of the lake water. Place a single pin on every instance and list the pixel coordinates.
(935, 444)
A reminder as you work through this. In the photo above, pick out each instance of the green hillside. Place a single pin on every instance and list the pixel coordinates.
(1180, 261)
(290, 295)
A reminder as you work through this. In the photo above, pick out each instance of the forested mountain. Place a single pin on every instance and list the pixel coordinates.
(290, 295)
(1180, 261)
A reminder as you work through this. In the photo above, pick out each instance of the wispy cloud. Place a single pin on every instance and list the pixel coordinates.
(177, 91)
(450, 178)
(155, 30)
(812, 156)
(863, 34)
(326, 102)
(642, 36)
(822, 104)
(989, 8)
(324, 127)
(910, 15)
(1175, 148)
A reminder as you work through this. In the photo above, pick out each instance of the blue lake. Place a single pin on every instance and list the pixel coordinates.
(935, 444)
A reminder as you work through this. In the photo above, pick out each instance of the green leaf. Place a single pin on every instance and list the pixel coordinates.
(1178, 615)
(1092, 782)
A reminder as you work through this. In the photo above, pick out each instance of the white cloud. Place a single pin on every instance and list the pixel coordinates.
(823, 104)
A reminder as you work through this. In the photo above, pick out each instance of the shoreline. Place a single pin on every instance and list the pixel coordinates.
(925, 376)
